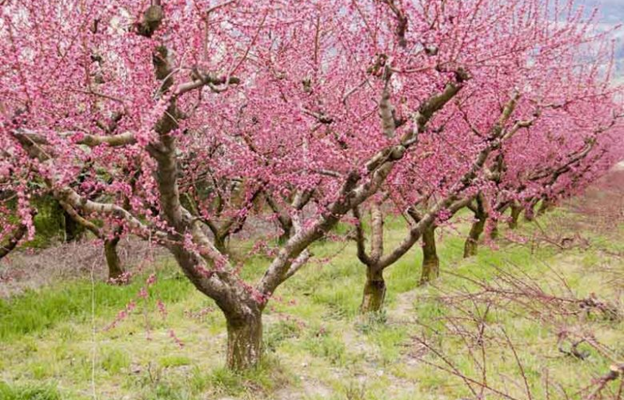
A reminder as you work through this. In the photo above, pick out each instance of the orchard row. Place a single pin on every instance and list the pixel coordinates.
(184, 121)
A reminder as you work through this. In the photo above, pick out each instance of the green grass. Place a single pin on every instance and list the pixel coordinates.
(55, 346)
(28, 392)
(37, 311)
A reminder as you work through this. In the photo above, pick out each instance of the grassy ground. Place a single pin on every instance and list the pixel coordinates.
(431, 343)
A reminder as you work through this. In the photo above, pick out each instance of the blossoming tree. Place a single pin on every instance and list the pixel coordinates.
(171, 118)
(493, 130)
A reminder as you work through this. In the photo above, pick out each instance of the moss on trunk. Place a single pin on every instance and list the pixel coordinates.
(115, 269)
(471, 247)
(515, 216)
(431, 262)
(244, 341)
(374, 291)
(494, 233)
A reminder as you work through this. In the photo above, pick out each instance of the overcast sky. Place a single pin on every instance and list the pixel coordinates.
(611, 11)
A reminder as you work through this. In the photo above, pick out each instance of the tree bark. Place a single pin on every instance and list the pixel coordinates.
(14, 239)
(115, 268)
(529, 212)
(516, 210)
(221, 243)
(431, 262)
(546, 206)
(374, 291)
(471, 247)
(74, 231)
(244, 341)
(494, 233)
(500, 209)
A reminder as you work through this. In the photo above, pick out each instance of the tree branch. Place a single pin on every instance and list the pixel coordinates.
(13, 241)
(352, 194)
(360, 239)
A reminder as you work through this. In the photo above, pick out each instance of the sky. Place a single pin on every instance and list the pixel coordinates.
(611, 13)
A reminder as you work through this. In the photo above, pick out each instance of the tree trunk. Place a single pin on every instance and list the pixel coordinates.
(529, 212)
(244, 341)
(516, 210)
(500, 208)
(14, 239)
(431, 262)
(73, 230)
(374, 291)
(546, 206)
(471, 247)
(220, 242)
(115, 269)
(494, 234)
